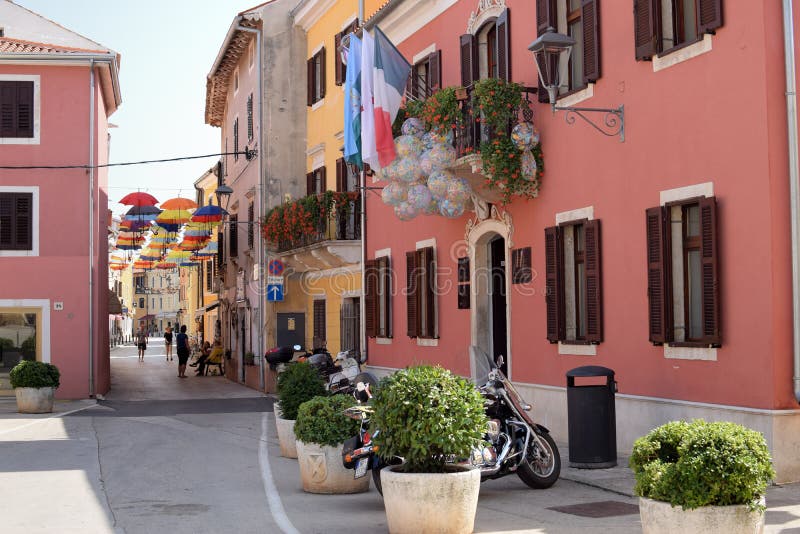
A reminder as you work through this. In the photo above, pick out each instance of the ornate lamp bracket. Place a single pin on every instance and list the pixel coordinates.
(613, 121)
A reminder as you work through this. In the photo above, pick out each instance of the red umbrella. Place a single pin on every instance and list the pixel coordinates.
(139, 198)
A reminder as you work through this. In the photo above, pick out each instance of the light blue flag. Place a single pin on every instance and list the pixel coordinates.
(352, 104)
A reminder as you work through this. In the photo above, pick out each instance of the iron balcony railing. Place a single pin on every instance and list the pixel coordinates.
(341, 222)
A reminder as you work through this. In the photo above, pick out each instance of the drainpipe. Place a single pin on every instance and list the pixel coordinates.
(791, 126)
(262, 202)
(92, 222)
(362, 178)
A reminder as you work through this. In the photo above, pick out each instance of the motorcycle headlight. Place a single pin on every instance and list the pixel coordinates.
(493, 429)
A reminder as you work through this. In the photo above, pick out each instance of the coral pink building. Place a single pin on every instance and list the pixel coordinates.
(57, 90)
(666, 257)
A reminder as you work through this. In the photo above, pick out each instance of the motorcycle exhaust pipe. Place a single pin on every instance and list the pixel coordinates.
(500, 459)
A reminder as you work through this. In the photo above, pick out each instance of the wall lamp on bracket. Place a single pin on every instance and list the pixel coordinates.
(547, 51)
(223, 194)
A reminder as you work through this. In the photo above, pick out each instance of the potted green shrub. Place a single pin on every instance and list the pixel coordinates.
(298, 383)
(428, 416)
(34, 384)
(690, 474)
(321, 430)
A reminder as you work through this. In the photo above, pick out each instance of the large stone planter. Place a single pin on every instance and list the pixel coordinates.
(286, 437)
(442, 503)
(34, 400)
(321, 470)
(659, 517)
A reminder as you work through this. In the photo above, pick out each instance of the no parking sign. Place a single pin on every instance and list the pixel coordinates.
(275, 267)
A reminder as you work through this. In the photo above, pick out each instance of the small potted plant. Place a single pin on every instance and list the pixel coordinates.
(298, 383)
(34, 384)
(428, 416)
(321, 430)
(690, 474)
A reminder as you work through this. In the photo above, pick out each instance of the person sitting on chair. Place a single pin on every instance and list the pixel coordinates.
(205, 356)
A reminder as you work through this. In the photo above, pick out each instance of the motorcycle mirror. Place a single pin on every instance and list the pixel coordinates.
(500, 361)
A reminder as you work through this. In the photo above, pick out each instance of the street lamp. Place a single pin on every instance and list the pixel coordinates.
(223, 193)
(548, 50)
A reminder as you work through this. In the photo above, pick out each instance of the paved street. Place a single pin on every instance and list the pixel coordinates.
(200, 455)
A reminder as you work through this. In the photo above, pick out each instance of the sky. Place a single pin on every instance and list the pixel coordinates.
(167, 49)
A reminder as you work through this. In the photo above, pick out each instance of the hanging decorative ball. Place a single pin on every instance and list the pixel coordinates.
(439, 183)
(446, 137)
(433, 207)
(522, 135)
(408, 170)
(394, 193)
(458, 191)
(419, 196)
(425, 162)
(390, 172)
(450, 209)
(442, 156)
(408, 146)
(528, 165)
(405, 211)
(413, 126)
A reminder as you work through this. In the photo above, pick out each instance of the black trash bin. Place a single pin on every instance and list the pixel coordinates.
(591, 417)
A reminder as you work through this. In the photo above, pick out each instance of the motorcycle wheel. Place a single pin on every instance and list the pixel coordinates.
(376, 472)
(536, 471)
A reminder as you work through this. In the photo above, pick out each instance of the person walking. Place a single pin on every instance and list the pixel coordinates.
(141, 343)
(168, 340)
(182, 345)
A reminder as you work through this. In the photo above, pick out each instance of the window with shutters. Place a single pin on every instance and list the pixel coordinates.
(683, 276)
(233, 236)
(316, 77)
(18, 103)
(320, 332)
(316, 182)
(250, 225)
(378, 297)
(236, 139)
(662, 26)
(250, 117)
(350, 324)
(209, 275)
(340, 67)
(573, 282)
(487, 53)
(426, 76)
(580, 20)
(16, 221)
(421, 293)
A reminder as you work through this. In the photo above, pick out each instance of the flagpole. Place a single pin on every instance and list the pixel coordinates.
(362, 182)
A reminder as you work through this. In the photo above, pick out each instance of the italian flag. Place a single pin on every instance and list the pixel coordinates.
(389, 76)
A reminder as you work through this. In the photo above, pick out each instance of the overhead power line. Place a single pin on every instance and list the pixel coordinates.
(249, 154)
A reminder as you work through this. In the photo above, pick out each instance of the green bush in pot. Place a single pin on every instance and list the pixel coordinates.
(321, 420)
(34, 374)
(427, 415)
(694, 464)
(298, 383)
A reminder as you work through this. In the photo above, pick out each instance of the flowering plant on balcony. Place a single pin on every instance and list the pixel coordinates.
(292, 223)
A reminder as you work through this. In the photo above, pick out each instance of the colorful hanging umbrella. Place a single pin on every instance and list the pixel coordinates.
(128, 225)
(166, 265)
(139, 198)
(210, 250)
(179, 204)
(208, 214)
(173, 217)
(142, 213)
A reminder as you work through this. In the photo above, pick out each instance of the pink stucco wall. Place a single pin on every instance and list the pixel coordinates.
(719, 117)
(61, 271)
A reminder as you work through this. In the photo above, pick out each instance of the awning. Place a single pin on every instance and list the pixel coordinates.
(201, 311)
(146, 317)
(114, 305)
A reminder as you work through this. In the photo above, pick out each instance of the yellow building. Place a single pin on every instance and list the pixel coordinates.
(322, 301)
(204, 293)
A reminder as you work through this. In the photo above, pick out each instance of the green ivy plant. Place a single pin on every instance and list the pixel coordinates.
(321, 420)
(35, 374)
(497, 102)
(693, 464)
(426, 415)
(298, 383)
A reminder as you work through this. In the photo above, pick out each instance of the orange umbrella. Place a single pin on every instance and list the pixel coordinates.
(178, 204)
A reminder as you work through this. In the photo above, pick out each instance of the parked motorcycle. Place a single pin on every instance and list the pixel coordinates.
(514, 442)
(338, 374)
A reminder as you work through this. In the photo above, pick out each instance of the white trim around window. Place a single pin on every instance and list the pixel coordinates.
(37, 109)
(34, 190)
(44, 305)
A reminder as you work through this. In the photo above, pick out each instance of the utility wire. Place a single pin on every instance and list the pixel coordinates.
(249, 154)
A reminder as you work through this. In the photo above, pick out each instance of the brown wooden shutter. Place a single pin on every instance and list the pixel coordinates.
(6, 220)
(220, 249)
(323, 180)
(371, 274)
(594, 282)
(591, 41)
(16, 109)
(545, 17)
(16, 221)
(8, 104)
(435, 71)
(25, 109)
(710, 259)
(338, 63)
(709, 16)
(310, 82)
(323, 81)
(657, 286)
(645, 28)
(503, 34)
(554, 284)
(429, 286)
(469, 59)
(386, 272)
(310, 183)
(412, 294)
(320, 328)
(341, 175)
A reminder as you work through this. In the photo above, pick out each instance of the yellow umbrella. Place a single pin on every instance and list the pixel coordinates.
(173, 217)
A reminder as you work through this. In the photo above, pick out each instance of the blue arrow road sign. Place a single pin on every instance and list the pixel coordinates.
(274, 292)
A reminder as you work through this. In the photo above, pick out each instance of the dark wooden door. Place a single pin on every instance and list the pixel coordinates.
(497, 288)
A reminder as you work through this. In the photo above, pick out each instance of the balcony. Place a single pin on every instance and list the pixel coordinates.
(317, 232)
